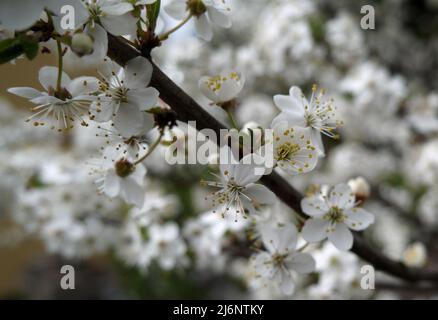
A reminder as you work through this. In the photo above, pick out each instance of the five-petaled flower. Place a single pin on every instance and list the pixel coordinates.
(281, 260)
(62, 105)
(332, 215)
(125, 95)
(239, 194)
(318, 114)
(293, 149)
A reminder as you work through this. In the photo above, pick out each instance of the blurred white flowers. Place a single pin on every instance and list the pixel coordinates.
(332, 215)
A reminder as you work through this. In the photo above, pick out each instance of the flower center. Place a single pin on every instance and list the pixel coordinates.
(286, 150)
(196, 7)
(124, 168)
(310, 119)
(335, 214)
(278, 259)
(234, 188)
(94, 10)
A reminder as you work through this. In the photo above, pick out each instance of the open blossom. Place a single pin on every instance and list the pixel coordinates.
(217, 11)
(59, 106)
(293, 149)
(118, 176)
(125, 95)
(281, 260)
(318, 115)
(239, 194)
(222, 88)
(333, 215)
(114, 15)
(133, 146)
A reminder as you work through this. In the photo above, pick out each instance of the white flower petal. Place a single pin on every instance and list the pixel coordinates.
(219, 17)
(116, 9)
(128, 120)
(138, 73)
(177, 9)
(342, 196)
(203, 28)
(206, 91)
(301, 262)
(111, 185)
(83, 86)
(341, 237)
(288, 103)
(132, 192)
(25, 92)
(358, 219)
(48, 77)
(138, 174)
(262, 266)
(314, 206)
(260, 194)
(315, 230)
(287, 282)
(143, 99)
(104, 109)
(317, 141)
(125, 24)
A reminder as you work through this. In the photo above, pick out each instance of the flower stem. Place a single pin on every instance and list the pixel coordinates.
(232, 120)
(151, 148)
(60, 66)
(166, 35)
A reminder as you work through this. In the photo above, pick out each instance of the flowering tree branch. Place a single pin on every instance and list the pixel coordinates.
(187, 109)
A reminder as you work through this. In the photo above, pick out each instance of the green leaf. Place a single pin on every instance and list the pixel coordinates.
(13, 48)
(153, 11)
(30, 47)
(10, 49)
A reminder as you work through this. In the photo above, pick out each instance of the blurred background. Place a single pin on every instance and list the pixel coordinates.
(384, 83)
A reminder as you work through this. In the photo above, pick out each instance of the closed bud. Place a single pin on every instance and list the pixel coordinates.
(82, 44)
(415, 255)
(360, 188)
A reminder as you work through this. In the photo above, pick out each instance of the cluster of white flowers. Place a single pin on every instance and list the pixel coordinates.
(370, 148)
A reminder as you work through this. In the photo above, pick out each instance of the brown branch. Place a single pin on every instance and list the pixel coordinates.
(187, 109)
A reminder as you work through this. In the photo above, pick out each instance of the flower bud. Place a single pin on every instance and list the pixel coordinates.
(360, 188)
(415, 255)
(82, 44)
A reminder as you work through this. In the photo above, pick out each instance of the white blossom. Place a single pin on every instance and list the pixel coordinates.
(318, 115)
(239, 194)
(332, 215)
(293, 149)
(59, 106)
(125, 95)
(280, 260)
